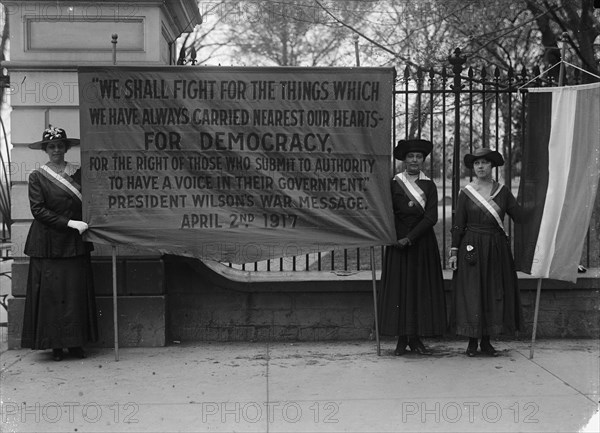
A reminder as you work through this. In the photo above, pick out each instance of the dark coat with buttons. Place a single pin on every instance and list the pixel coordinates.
(52, 206)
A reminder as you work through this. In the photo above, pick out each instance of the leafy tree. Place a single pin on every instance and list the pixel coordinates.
(579, 21)
(291, 33)
(209, 41)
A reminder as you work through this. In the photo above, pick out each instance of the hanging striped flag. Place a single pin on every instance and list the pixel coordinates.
(559, 179)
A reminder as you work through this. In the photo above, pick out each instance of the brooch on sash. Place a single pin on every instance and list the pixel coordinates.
(411, 203)
(471, 256)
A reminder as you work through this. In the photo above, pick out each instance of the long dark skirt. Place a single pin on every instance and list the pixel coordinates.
(60, 308)
(411, 301)
(486, 298)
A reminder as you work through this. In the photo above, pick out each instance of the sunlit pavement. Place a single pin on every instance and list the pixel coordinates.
(304, 387)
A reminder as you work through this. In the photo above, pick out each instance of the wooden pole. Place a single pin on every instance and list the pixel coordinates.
(115, 315)
(375, 299)
(535, 316)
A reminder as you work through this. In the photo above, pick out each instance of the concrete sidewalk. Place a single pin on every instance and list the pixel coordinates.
(304, 387)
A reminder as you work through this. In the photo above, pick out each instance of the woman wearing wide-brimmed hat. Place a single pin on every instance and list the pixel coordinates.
(486, 298)
(411, 303)
(60, 309)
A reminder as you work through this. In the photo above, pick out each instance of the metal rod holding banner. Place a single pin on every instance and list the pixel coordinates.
(115, 316)
(375, 299)
(563, 49)
(535, 316)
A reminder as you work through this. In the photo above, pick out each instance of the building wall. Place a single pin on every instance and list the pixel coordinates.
(48, 41)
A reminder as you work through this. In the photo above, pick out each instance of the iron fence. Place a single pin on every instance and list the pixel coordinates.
(458, 110)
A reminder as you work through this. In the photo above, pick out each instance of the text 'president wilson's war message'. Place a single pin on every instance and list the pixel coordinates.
(237, 164)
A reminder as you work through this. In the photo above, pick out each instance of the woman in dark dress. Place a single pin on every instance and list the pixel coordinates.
(60, 309)
(411, 303)
(485, 292)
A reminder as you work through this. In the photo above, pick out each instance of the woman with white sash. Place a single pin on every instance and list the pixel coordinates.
(486, 297)
(411, 303)
(60, 309)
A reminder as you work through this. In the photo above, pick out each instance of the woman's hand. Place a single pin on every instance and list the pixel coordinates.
(80, 226)
(453, 262)
(403, 243)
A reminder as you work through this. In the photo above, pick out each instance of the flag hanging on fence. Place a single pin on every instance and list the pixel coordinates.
(559, 179)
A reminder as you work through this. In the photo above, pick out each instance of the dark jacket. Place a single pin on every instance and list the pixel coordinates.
(52, 207)
(409, 220)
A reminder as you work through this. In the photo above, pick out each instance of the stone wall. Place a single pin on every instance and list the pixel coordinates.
(175, 299)
(211, 306)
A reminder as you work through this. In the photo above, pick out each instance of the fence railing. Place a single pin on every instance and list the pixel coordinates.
(458, 110)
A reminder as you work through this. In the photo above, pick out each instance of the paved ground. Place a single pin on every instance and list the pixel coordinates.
(304, 387)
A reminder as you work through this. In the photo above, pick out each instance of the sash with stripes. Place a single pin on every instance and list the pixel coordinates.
(64, 182)
(412, 190)
(489, 206)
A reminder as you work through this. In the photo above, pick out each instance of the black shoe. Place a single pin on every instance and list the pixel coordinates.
(57, 354)
(471, 351)
(488, 349)
(472, 348)
(417, 346)
(77, 352)
(401, 346)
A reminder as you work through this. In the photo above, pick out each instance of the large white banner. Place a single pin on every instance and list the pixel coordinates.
(237, 164)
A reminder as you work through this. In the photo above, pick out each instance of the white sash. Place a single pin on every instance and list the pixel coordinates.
(410, 187)
(487, 205)
(52, 175)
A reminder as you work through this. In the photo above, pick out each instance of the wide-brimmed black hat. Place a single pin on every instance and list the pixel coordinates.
(484, 152)
(413, 145)
(53, 134)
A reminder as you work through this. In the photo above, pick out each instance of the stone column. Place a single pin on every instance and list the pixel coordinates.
(48, 41)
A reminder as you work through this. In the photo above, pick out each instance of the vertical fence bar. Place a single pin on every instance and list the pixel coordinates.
(419, 102)
(471, 105)
(406, 102)
(497, 109)
(457, 61)
(444, 156)
(496, 115)
(508, 133)
(484, 114)
(431, 116)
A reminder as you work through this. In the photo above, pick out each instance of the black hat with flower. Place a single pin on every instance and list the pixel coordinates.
(53, 135)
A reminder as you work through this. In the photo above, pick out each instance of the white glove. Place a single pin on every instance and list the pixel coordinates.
(80, 226)
(453, 262)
